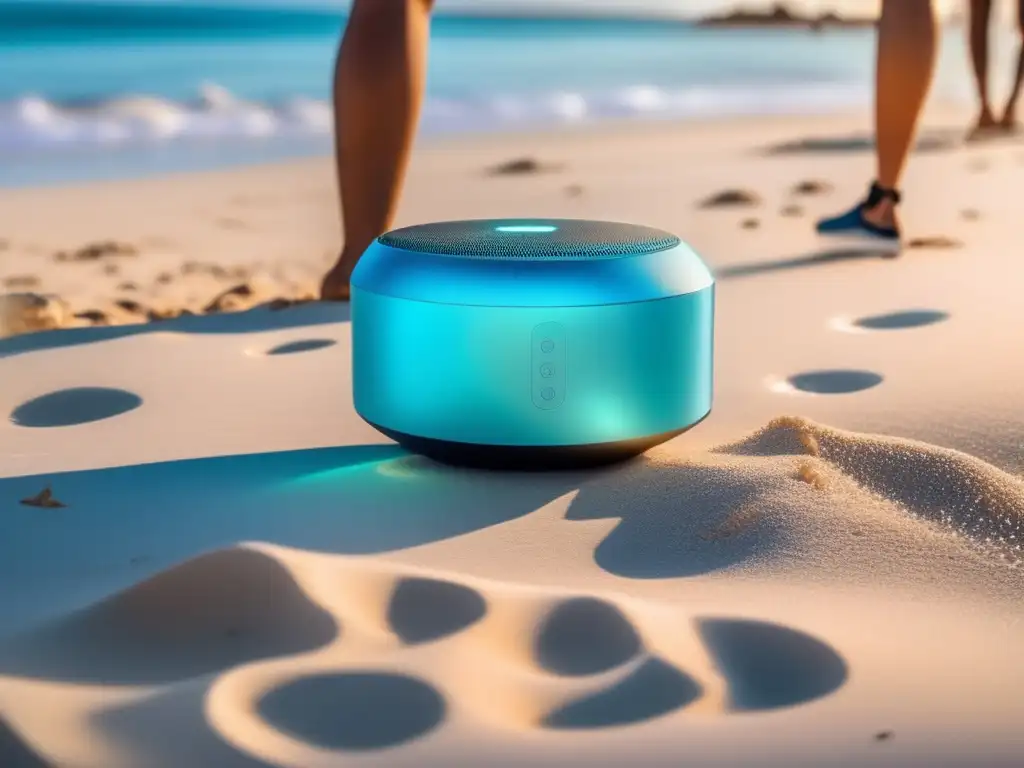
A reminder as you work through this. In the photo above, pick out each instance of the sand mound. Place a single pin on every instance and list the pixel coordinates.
(204, 616)
(939, 484)
(29, 312)
(800, 498)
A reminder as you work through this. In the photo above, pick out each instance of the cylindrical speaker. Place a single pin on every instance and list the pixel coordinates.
(531, 344)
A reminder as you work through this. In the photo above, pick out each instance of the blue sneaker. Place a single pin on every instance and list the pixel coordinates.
(853, 227)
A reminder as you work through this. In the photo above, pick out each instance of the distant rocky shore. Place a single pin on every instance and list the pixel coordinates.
(781, 16)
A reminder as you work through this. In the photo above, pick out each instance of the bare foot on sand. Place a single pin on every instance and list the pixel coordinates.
(335, 285)
(984, 128)
(1009, 123)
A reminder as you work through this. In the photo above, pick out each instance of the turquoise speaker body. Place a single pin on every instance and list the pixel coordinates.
(531, 344)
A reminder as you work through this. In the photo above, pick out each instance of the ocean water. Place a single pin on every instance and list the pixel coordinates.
(93, 90)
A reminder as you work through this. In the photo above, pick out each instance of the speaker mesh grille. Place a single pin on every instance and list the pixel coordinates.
(570, 239)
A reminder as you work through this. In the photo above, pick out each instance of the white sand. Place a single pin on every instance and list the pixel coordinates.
(765, 590)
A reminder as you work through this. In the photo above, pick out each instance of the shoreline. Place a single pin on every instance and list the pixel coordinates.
(223, 239)
(938, 116)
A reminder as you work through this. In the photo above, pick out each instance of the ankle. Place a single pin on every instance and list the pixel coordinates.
(351, 253)
(882, 214)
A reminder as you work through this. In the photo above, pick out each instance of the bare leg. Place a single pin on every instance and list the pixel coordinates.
(907, 52)
(980, 21)
(379, 79)
(1009, 118)
(905, 64)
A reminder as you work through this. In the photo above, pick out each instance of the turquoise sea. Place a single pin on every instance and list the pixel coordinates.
(94, 90)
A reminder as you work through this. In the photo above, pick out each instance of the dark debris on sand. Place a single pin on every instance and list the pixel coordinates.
(522, 166)
(156, 315)
(792, 211)
(812, 187)
(94, 316)
(750, 223)
(215, 271)
(43, 499)
(21, 281)
(275, 305)
(935, 241)
(731, 198)
(226, 300)
(98, 250)
(130, 305)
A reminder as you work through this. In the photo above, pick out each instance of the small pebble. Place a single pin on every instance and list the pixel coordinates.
(97, 250)
(731, 198)
(521, 166)
(228, 299)
(812, 187)
(94, 316)
(128, 305)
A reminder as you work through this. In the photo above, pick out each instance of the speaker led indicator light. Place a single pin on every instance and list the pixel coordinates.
(526, 228)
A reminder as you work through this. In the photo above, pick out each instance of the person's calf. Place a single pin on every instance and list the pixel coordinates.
(388, 8)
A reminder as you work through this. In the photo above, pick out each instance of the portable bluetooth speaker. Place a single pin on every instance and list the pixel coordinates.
(531, 344)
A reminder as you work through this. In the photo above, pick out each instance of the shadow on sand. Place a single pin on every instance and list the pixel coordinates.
(255, 320)
(356, 500)
(346, 500)
(14, 753)
(934, 140)
(361, 500)
(816, 259)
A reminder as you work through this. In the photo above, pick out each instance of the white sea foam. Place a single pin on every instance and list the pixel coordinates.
(32, 121)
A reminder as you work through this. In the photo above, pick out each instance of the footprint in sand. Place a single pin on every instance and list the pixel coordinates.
(354, 711)
(890, 321)
(425, 610)
(826, 382)
(440, 650)
(77, 405)
(302, 345)
(585, 636)
(572, 662)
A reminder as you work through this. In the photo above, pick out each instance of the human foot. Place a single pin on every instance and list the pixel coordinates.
(1008, 123)
(985, 127)
(335, 285)
(872, 222)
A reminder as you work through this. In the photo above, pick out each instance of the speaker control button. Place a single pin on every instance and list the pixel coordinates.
(548, 365)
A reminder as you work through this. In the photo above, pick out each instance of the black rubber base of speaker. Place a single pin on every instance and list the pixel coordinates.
(528, 458)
